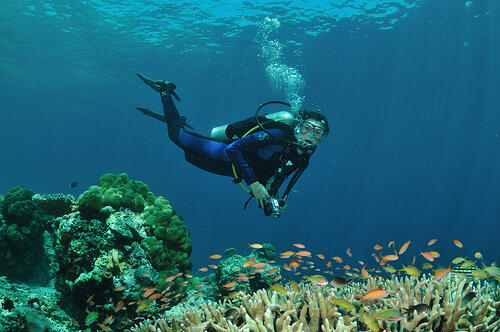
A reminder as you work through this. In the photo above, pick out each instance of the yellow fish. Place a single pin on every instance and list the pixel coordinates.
(317, 279)
(341, 302)
(278, 288)
(468, 264)
(458, 260)
(295, 286)
(370, 321)
(411, 270)
(389, 268)
(426, 266)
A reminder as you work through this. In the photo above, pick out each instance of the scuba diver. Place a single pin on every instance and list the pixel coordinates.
(262, 150)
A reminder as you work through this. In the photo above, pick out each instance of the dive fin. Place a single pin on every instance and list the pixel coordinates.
(161, 117)
(160, 86)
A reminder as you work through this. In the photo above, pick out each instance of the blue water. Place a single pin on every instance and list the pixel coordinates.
(410, 89)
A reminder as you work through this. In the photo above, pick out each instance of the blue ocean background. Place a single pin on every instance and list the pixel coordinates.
(411, 90)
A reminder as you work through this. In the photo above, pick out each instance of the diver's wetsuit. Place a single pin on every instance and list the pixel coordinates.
(257, 157)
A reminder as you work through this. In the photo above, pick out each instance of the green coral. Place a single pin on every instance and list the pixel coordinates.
(17, 206)
(117, 191)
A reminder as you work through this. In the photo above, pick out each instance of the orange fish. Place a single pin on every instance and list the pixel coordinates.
(119, 289)
(104, 327)
(458, 243)
(259, 270)
(155, 296)
(213, 266)
(328, 264)
(347, 267)
(390, 258)
(108, 320)
(271, 271)
(375, 294)
(303, 253)
(243, 278)
(259, 264)
(338, 259)
(249, 262)
(431, 242)
(321, 256)
(348, 251)
(287, 254)
(286, 267)
(255, 245)
(391, 243)
(427, 256)
(147, 275)
(377, 247)
(294, 264)
(434, 254)
(441, 274)
(364, 272)
(404, 247)
(413, 260)
(170, 278)
(148, 291)
(299, 245)
(215, 256)
(376, 257)
(203, 269)
(230, 284)
(119, 306)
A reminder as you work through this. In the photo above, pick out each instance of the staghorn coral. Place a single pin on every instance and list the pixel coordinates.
(313, 309)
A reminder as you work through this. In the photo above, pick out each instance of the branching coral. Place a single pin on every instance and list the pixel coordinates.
(451, 308)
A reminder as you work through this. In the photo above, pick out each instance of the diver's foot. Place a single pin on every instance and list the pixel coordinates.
(163, 87)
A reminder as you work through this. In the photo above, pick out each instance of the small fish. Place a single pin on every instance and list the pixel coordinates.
(390, 269)
(287, 254)
(147, 275)
(479, 274)
(493, 271)
(259, 270)
(249, 262)
(377, 259)
(295, 286)
(215, 256)
(203, 269)
(426, 266)
(229, 285)
(421, 307)
(348, 252)
(109, 320)
(170, 278)
(320, 256)
(328, 264)
(458, 243)
(299, 245)
(91, 317)
(271, 271)
(258, 264)
(119, 288)
(213, 266)
(391, 243)
(337, 259)
(242, 277)
(375, 294)
(294, 264)
(73, 184)
(104, 327)
(434, 254)
(411, 270)
(441, 274)
(468, 264)
(478, 255)
(155, 296)
(364, 273)
(148, 291)
(427, 256)
(341, 302)
(404, 247)
(391, 315)
(458, 260)
(431, 242)
(303, 253)
(370, 322)
(233, 295)
(144, 305)
(278, 288)
(119, 306)
(339, 282)
(255, 245)
(389, 258)
(317, 280)
(377, 247)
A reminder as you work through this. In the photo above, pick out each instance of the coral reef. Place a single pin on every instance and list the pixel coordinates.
(122, 236)
(97, 252)
(315, 308)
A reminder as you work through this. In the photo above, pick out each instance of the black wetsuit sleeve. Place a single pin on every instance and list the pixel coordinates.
(237, 151)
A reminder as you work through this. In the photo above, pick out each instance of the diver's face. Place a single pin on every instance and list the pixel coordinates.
(312, 131)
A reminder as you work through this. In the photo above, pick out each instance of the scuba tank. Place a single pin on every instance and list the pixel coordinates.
(236, 130)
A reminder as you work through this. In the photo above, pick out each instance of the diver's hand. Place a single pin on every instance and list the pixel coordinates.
(260, 193)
